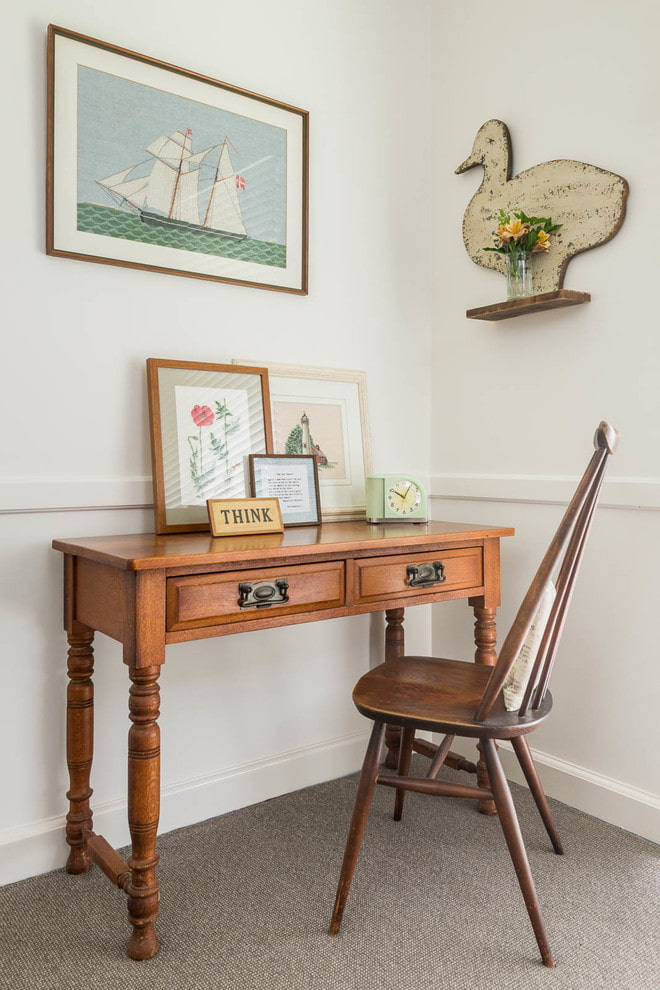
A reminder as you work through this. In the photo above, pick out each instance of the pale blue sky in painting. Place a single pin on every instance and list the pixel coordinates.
(118, 119)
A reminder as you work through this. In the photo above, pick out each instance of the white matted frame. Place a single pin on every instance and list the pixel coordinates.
(157, 167)
(323, 411)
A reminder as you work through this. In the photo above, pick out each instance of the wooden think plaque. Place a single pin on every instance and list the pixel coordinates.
(235, 516)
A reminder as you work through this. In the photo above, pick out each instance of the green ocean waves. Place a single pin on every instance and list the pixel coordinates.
(109, 222)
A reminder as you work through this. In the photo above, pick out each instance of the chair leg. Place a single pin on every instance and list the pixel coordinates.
(440, 757)
(363, 799)
(512, 834)
(405, 754)
(521, 747)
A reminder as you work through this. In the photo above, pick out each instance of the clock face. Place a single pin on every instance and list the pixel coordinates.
(403, 497)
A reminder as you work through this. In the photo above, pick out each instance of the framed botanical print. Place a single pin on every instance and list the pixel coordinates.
(205, 420)
(157, 167)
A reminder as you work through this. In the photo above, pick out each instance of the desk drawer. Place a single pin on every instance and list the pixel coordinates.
(384, 577)
(215, 599)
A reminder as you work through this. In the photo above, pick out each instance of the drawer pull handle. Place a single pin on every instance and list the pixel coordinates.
(263, 593)
(426, 574)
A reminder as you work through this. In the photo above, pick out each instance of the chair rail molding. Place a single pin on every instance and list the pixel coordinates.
(42, 493)
(617, 493)
(20, 493)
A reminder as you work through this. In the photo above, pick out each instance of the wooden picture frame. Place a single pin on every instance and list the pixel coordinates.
(205, 419)
(294, 480)
(334, 401)
(156, 167)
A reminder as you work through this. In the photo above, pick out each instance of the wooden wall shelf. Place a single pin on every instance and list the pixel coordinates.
(530, 304)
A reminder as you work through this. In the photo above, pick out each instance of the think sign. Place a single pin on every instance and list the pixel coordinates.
(234, 516)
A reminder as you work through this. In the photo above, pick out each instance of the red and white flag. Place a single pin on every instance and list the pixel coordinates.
(190, 132)
(240, 182)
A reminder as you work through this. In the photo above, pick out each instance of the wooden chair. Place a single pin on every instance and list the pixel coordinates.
(466, 699)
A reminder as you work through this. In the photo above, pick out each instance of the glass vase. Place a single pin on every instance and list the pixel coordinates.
(519, 275)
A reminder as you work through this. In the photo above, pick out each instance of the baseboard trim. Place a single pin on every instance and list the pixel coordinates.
(40, 846)
(603, 797)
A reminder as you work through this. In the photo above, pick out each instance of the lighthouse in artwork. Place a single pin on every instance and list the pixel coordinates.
(307, 446)
(306, 440)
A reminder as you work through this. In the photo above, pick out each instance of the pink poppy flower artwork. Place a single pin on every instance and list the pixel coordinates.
(202, 415)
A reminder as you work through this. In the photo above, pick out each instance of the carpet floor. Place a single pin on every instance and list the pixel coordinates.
(247, 896)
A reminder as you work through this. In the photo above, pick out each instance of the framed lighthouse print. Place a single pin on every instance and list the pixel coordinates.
(157, 167)
(206, 419)
(323, 412)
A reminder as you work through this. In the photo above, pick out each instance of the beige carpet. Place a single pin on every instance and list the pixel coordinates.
(246, 899)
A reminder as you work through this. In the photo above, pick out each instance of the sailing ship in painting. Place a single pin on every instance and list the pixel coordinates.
(169, 195)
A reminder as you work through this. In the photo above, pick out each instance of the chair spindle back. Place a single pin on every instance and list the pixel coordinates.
(569, 540)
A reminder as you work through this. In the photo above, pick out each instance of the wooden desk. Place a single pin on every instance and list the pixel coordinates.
(148, 591)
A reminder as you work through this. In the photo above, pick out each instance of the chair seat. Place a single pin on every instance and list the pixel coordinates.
(440, 696)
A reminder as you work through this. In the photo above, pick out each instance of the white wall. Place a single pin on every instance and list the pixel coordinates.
(517, 401)
(75, 437)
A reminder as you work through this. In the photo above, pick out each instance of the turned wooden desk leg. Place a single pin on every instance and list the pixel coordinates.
(143, 810)
(394, 648)
(79, 747)
(485, 638)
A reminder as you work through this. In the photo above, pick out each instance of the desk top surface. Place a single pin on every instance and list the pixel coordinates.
(148, 551)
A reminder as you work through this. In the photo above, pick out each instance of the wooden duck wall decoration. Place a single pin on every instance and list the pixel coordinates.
(587, 201)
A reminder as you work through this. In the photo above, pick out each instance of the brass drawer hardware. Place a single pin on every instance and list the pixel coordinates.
(263, 593)
(426, 574)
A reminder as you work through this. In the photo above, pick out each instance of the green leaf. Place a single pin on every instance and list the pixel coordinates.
(219, 447)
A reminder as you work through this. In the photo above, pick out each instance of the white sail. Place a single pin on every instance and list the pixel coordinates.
(133, 191)
(162, 183)
(198, 156)
(224, 209)
(174, 150)
(173, 184)
(185, 200)
(113, 180)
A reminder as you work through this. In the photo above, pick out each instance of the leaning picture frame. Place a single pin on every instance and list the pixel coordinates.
(205, 420)
(291, 478)
(323, 411)
(157, 167)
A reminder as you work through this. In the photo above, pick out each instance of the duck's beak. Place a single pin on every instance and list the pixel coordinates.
(467, 164)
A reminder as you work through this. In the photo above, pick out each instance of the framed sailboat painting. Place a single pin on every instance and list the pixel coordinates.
(156, 167)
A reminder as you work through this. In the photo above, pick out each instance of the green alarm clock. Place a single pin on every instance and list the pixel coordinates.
(395, 498)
